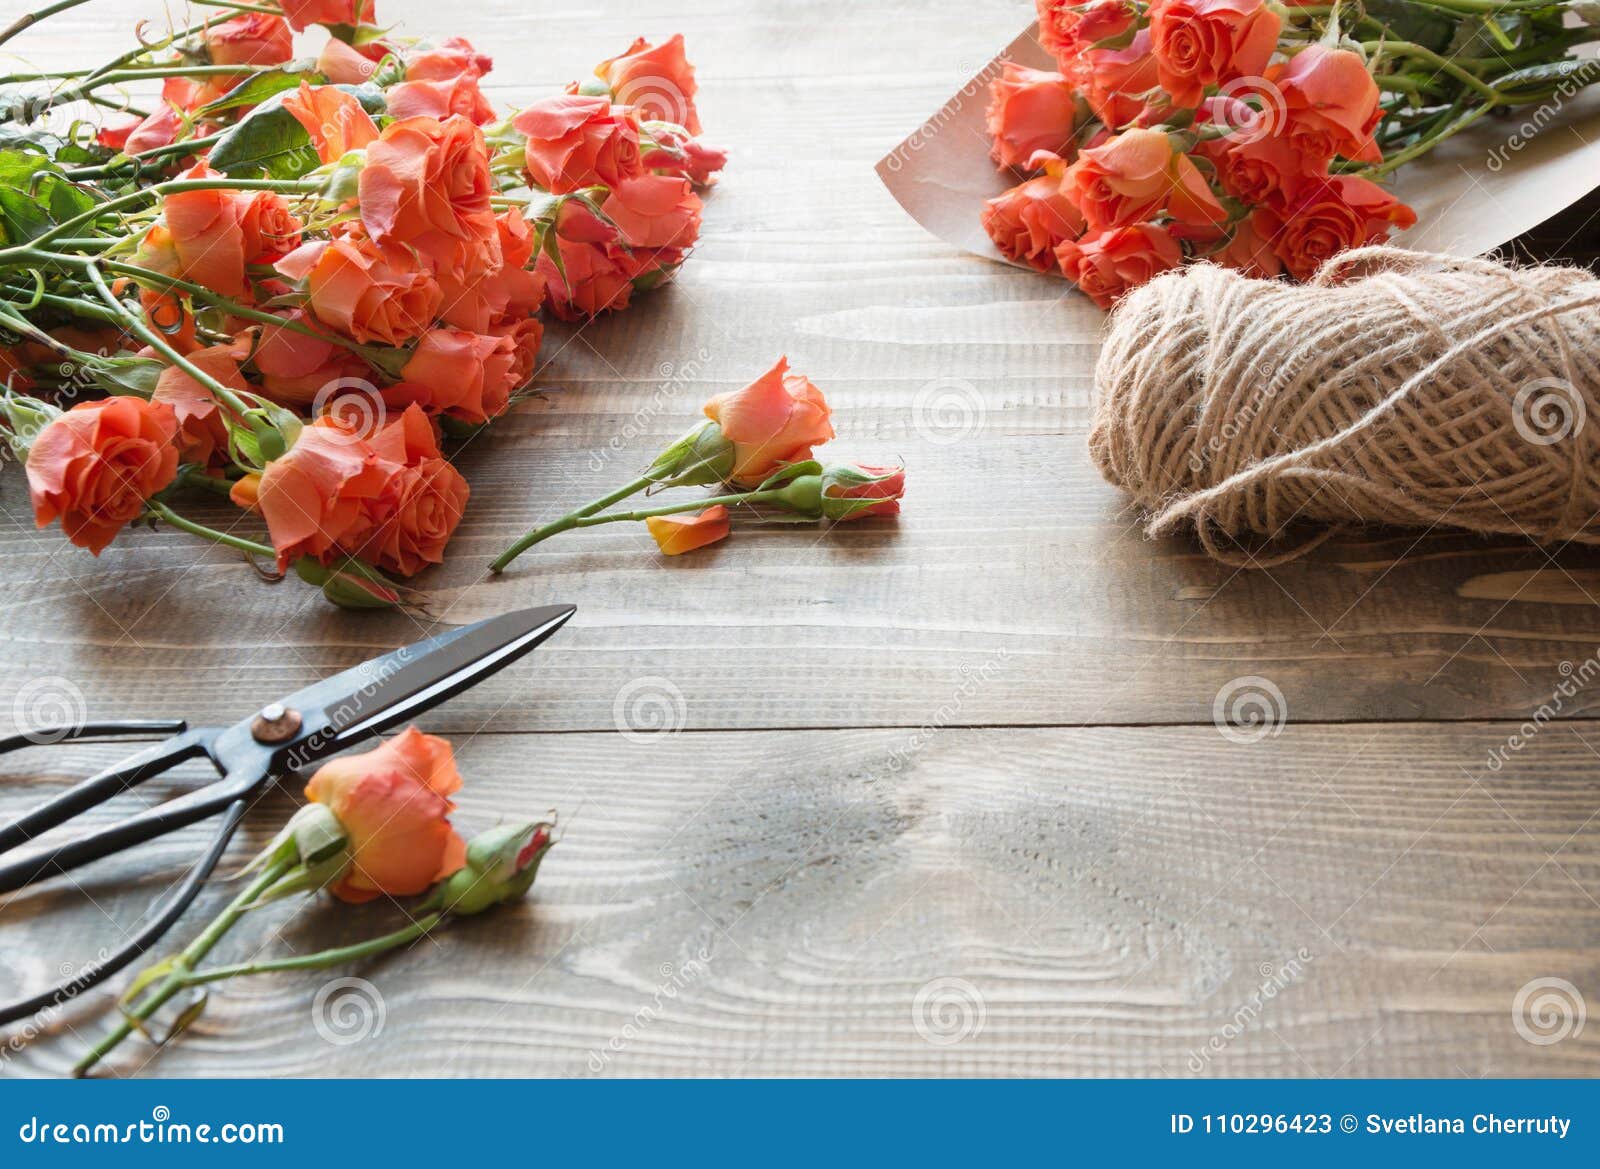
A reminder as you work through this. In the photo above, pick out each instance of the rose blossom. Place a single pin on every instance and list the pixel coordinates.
(575, 141)
(1028, 222)
(773, 421)
(252, 38)
(1030, 110)
(452, 57)
(394, 803)
(1330, 103)
(1107, 264)
(202, 431)
(655, 211)
(304, 13)
(1066, 33)
(1135, 175)
(439, 99)
(422, 502)
(658, 80)
(1327, 218)
(465, 375)
(1116, 79)
(675, 152)
(1201, 43)
(334, 119)
(366, 291)
(94, 466)
(426, 183)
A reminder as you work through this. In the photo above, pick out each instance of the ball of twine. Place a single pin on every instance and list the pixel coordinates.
(1395, 388)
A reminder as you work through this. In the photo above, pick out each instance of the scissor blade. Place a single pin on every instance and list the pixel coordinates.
(389, 689)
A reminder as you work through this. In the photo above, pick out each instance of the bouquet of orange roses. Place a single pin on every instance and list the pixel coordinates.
(1251, 133)
(291, 281)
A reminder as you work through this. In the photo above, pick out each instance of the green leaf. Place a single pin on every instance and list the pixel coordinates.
(35, 196)
(258, 87)
(1410, 21)
(135, 376)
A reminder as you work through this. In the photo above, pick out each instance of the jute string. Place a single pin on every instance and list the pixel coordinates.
(1395, 388)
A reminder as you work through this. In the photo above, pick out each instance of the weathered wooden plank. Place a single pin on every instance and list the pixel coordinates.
(1110, 900)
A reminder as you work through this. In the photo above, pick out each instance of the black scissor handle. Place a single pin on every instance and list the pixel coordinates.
(113, 780)
(97, 972)
(157, 821)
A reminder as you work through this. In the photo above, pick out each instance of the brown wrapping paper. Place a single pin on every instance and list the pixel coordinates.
(1473, 193)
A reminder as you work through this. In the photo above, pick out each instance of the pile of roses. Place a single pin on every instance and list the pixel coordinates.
(1250, 133)
(293, 282)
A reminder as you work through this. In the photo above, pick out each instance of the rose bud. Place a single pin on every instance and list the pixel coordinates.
(853, 492)
(700, 458)
(1068, 29)
(393, 801)
(677, 534)
(253, 38)
(1136, 175)
(1106, 264)
(315, 842)
(1031, 220)
(351, 583)
(94, 466)
(1031, 110)
(773, 421)
(500, 866)
(335, 120)
(671, 149)
(656, 79)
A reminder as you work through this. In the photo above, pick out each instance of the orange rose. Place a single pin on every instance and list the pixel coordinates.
(426, 183)
(575, 141)
(366, 291)
(202, 431)
(302, 14)
(206, 234)
(94, 466)
(343, 64)
(1029, 222)
(160, 128)
(1136, 175)
(423, 501)
(656, 80)
(465, 375)
(593, 278)
(1201, 43)
(1067, 29)
(393, 801)
(884, 484)
(295, 368)
(1106, 264)
(526, 336)
(677, 534)
(253, 38)
(334, 119)
(1327, 218)
(1251, 169)
(655, 211)
(675, 152)
(1030, 110)
(321, 498)
(454, 57)
(1330, 101)
(772, 422)
(1247, 252)
(1114, 80)
(439, 99)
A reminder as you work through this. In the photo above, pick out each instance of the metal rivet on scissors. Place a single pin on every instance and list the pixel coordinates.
(308, 725)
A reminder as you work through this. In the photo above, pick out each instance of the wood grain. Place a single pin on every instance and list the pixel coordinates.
(975, 744)
(1113, 898)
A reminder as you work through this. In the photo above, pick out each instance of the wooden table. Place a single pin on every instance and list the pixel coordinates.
(943, 796)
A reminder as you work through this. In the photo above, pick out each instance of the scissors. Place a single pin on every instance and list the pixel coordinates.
(310, 724)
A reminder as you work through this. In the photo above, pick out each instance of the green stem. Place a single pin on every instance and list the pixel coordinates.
(157, 190)
(1416, 150)
(165, 513)
(322, 959)
(154, 998)
(236, 6)
(187, 146)
(1443, 64)
(583, 518)
(193, 476)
